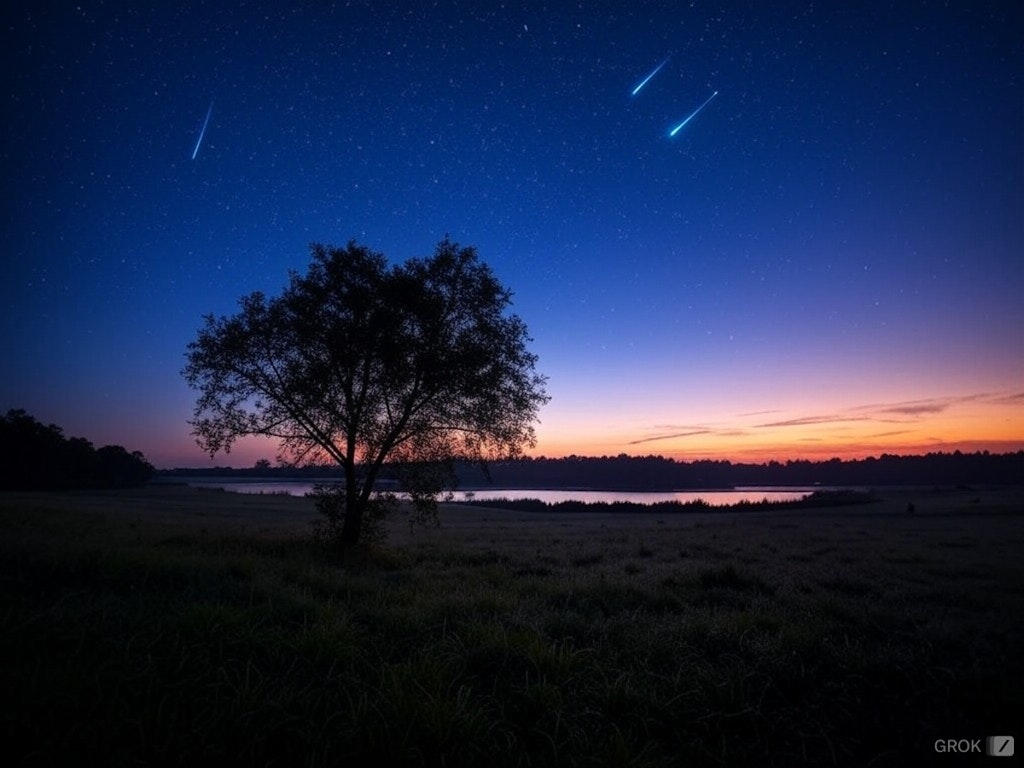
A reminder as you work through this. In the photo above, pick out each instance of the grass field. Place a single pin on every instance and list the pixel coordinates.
(170, 626)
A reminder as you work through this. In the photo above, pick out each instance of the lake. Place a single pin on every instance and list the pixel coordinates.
(711, 496)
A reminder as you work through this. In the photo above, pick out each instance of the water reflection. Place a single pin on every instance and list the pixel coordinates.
(712, 497)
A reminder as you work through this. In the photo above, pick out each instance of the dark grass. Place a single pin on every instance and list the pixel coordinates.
(725, 643)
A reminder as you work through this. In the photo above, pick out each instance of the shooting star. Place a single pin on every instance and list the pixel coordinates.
(679, 127)
(646, 79)
(202, 131)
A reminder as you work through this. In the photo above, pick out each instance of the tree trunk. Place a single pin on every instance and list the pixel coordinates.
(352, 526)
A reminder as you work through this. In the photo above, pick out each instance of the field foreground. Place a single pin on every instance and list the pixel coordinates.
(171, 626)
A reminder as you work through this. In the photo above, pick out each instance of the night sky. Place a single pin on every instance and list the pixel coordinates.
(826, 260)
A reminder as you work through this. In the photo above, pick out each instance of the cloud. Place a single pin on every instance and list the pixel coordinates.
(916, 409)
(693, 433)
(933, 404)
(890, 434)
(805, 420)
(674, 431)
(1014, 399)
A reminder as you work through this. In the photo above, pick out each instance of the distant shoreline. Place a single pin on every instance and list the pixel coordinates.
(641, 474)
(194, 480)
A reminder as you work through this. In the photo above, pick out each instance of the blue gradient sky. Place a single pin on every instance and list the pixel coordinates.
(827, 260)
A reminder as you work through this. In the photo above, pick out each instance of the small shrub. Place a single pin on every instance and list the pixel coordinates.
(329, 499)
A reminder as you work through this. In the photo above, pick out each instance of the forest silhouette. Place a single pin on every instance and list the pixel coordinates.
(39, 457)
(625, 472)
(659, 473)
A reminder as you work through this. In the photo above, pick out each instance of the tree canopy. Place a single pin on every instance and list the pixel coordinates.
(360, 362)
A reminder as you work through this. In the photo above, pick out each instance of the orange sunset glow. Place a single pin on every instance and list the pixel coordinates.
(983, 422)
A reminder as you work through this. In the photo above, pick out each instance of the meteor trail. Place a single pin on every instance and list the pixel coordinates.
(202, 132)
(679, 127)
(653, 73)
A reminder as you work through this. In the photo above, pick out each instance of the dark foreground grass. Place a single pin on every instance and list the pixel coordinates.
(753, 641)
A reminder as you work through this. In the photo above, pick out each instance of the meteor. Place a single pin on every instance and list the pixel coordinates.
(646, 79)
(202, 132)
(679, 127)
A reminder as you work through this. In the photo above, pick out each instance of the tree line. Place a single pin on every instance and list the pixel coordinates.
(625, 472)
(659, 473)
(39, 457)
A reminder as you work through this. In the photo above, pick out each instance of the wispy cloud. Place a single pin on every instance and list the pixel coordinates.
(893, 433)
(675, 431)
(928, 405)
(1009, 399)
(916, 409)
(805, 420)
(691, 433)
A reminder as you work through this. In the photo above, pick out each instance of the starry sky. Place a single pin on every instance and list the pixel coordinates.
(826, 260)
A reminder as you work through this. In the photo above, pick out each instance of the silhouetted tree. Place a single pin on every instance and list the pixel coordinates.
(358, 362)
(117, 468)
(32, 452)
